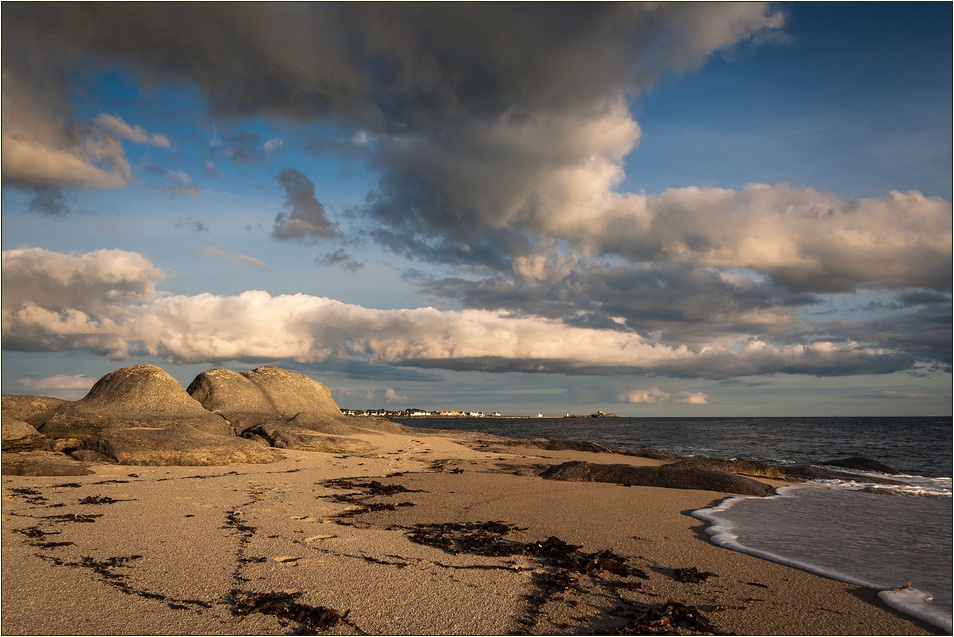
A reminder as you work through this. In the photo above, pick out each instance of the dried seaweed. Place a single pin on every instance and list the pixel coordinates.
(284, 604)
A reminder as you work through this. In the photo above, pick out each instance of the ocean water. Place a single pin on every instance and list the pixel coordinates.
(856, 531)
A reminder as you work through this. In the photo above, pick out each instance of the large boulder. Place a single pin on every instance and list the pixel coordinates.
(290, 437)
(669, 477)
(738, 467)
(177, 445)
(137, 396)
(42, 463)
(21, 436)
(861, 464)
(34, 410)
(268, 395)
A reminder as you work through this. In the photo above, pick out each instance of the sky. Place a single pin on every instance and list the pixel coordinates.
(654, 210)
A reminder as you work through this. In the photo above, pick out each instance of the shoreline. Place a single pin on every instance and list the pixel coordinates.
(190, 554)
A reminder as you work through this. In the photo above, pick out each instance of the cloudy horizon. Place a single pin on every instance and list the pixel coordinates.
(662, 210)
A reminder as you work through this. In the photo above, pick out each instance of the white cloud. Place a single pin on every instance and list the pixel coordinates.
(652, 396)
(232, 258)
(804, 239)
(657, 396)
(391, 397)
(60, 386)
(95, 302)
(908, 395)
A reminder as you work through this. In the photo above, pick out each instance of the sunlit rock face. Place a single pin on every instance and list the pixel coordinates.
(136, 396)
(177, 445)
(268, 395)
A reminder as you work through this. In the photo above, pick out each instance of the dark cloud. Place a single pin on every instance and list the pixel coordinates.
(195, 225)
(672, 305)
(49, 200)
(304, 219)
(341, 259)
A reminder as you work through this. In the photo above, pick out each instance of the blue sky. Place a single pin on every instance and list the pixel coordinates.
(683, 210)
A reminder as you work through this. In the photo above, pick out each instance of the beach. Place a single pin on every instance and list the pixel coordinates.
(429, 533)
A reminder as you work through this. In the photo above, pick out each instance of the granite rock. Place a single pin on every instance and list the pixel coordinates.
(669, 477)
(177, 445)
(136, 396)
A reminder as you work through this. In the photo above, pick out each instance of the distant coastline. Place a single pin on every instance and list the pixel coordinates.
(419, 413)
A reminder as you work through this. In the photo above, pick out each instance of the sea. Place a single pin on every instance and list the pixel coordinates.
(895, 538)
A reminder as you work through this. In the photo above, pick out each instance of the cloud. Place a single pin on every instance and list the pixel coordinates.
(106, 302)
(43, 153)
(305, 218)
(57, 302)
(210, 170)
(909, 395)
(232, 258)
(342, 260)
(803, 239)
(49, 201)
(60, 386)
(391, 397)
(117, 127)
(179, 183)
(656, 396)
(196, 225)
(652, 396)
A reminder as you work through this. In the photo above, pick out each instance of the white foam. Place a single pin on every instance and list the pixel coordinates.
(723, 534)
(919, 605)
(916, 603)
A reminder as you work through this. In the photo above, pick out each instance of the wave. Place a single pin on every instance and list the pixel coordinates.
(804, 527)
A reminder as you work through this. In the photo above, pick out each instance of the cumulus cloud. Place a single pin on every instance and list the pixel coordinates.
(55, 302)
(391, 397)
(304, 218)
(803, 239)
(232, 258)
(657, 396)
(106, 302)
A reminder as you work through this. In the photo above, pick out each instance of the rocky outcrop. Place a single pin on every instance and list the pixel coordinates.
(34, 410)
(178, 445)
(290, 437)
(21, 436)
(268, 395)
(861, 464)
(667, 476)
(137, 396)
(42, 463)
(738, 467)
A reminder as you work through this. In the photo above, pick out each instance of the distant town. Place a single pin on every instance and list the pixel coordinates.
(422, 413)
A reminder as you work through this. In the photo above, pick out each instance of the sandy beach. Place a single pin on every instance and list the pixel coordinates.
(395, 541)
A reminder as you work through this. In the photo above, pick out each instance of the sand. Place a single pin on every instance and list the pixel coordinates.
(198, 550)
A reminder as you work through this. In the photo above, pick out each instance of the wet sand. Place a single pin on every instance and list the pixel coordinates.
(396, 541)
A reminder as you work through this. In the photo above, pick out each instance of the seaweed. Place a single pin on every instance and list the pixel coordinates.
(100, 499)
(284, 605)
(691, 575)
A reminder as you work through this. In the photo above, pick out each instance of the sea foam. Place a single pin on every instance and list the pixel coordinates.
(874, 539)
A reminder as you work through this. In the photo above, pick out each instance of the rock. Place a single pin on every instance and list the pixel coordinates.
(177, 445)
(34, 410)
(738, 467)
(137, 396)
(669, 477)
(290, 437)
(799, 472)
(269, 395)
(862, 464)
(42, 463)
(21, 436)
